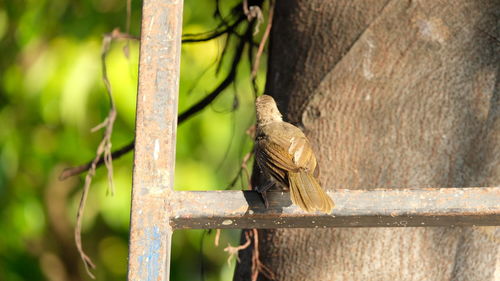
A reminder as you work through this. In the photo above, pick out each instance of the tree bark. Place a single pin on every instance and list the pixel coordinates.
(391, 94)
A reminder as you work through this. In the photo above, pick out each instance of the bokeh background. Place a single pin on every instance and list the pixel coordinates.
(52, 94)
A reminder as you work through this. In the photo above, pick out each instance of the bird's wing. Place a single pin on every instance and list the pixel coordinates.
(302, 153)
(289, 150)
(297, 146)
(271, 161)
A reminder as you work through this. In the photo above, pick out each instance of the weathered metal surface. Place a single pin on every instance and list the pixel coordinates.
(353, 208)
(150, 231)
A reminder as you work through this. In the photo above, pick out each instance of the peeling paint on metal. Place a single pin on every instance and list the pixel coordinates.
(156, 151)
(149, 261)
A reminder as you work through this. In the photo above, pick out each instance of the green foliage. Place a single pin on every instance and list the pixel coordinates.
(52, 94)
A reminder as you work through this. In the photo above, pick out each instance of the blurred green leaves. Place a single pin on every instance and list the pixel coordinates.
(52, 94)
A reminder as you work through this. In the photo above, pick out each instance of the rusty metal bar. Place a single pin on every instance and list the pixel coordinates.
(354, 208)
(150, 231)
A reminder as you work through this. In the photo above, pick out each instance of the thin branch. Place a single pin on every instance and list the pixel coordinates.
(264, 40)
(244, 162)
(108, 159)
(233, 251)
(103, 152)
(243, 168)
(117, 34)
(73, 171)
(245, 8)
(223, 53)
(217, 13)
(254, 85)
(253, 12)
(217, 237)
(212, 34)
(215, 93)
(257, 265)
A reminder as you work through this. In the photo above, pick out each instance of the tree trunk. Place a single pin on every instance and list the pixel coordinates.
(391, 94)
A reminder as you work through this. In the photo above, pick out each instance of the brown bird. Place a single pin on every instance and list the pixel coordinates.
(284, 155)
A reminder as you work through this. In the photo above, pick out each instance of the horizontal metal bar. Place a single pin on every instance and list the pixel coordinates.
(478, 206)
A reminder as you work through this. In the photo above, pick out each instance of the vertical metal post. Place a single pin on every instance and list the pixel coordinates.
(156, 123)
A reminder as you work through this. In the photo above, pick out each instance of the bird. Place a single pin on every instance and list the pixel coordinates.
(285, 157)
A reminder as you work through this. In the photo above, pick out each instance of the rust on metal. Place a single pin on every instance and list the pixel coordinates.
(353, 208)
(156, 121)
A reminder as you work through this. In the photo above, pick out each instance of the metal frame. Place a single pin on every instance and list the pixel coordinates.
(157, 210)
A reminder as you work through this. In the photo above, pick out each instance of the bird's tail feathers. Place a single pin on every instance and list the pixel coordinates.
(306, 193)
